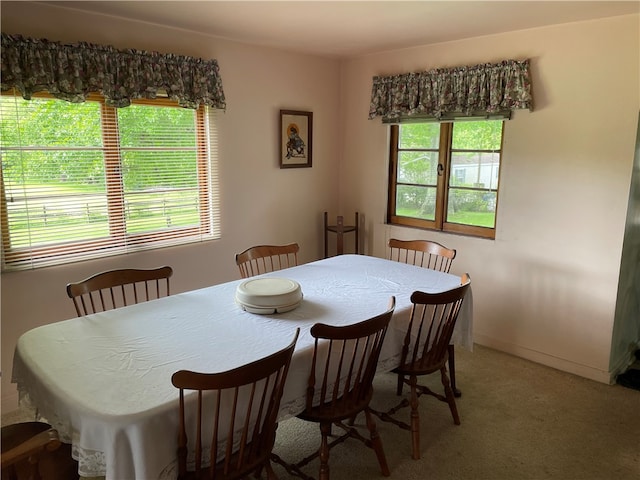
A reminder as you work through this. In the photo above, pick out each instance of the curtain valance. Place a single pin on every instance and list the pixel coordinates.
(72, 71)
(475, 90)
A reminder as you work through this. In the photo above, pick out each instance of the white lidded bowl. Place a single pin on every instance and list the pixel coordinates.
(268, 295)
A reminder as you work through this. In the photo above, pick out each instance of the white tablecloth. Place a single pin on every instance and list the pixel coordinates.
(104, 380)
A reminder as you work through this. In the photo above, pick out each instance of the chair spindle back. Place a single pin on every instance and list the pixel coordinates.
(119, 288)
(267, 258)
(235, 416)
(433, 318)
(422, 253)
(344, 364)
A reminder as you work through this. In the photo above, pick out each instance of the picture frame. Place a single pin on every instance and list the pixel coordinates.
(296, 139)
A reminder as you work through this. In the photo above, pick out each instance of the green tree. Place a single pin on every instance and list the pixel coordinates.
(48, 127)
(480, 135)
(147, 152)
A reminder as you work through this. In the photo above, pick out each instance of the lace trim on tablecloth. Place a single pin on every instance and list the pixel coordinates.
(91, 463)
(42, 412)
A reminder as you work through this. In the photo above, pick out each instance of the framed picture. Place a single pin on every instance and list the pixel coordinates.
(296, 134)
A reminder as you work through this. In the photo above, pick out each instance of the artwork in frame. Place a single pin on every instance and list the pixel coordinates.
(296, 134)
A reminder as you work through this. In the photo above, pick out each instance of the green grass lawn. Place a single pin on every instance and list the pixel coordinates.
(59, 213)
(480, 219)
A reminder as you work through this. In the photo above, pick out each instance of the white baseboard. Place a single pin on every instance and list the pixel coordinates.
(545, 359)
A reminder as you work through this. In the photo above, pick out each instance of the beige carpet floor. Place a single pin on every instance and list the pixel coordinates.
(520, 421)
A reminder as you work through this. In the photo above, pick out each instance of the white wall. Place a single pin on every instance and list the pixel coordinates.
(545, 288)
(261, 203)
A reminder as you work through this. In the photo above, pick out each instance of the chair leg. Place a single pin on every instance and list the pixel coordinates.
(325, 430)
(271, 475)
(415, 420)
(400, 384)
(452, 370)
(10, 472)
(376, 442)
(451, 399)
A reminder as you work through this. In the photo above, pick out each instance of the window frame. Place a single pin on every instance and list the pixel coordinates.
(118, 240)
(445, 150)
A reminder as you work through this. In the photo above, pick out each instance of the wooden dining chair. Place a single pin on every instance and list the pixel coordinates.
(238, 409)
(33, 451)
(267, 258)
(425, 351)
(340, 387)
(118, 288)
(427, 254)
(423, 253)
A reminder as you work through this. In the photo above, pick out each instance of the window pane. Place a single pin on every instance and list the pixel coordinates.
(418, 167)
(475, 169)
(161, 191)
(149, 126)
(472, 207)
(419, 135)
(144, 170)
(52, 209)
(44, 122)
(54, 189)
(160, 170)
(481, 135)
(416, 202)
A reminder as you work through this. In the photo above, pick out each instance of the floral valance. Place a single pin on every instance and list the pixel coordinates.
(476, 90)
(72, 71)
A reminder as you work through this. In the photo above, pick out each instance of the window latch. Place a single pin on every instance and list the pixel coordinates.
(440, 169)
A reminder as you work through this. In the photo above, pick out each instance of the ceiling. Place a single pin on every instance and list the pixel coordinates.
(342, 29)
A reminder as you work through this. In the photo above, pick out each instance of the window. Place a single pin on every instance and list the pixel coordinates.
(86, 180)
(444, 176)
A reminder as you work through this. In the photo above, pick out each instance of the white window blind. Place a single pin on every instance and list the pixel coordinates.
(85, 180)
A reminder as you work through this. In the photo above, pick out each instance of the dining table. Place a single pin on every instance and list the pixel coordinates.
(104, 380)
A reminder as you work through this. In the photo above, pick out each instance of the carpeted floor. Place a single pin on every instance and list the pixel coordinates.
(520, 421)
